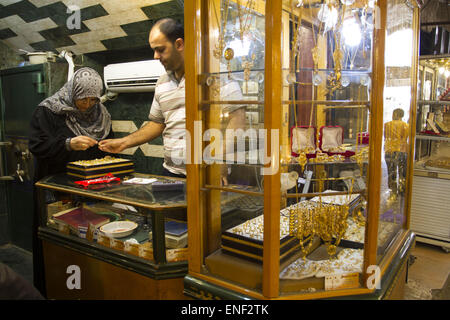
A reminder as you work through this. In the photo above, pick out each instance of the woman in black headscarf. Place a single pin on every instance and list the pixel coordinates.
(68, 125)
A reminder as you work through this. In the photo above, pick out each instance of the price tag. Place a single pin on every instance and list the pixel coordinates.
(131, 248)
(103, 240)
(63, 228)
(146, 252)
(90, 232)
(116, 244)
(174, 255)
(342, 281)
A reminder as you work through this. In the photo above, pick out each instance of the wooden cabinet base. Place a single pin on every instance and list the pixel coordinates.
(72, 275)
(397, 290)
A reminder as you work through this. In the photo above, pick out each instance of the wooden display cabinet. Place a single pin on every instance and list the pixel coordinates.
(91, 264)
(267, 68)
(430, 217)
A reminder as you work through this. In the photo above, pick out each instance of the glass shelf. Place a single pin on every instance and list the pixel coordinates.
(431, 137)
(433, 102)
(135, 195)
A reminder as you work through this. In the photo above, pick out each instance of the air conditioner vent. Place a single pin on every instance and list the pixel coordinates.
(140, 76)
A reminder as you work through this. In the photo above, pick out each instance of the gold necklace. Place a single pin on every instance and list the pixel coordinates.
(217, 52)
(244, 17)
(247, 68)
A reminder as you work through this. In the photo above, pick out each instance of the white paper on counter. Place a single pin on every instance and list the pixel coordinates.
(139, 181)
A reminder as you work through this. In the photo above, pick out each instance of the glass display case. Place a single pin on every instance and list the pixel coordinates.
(430, 217)
(134, 230)
(289, 108)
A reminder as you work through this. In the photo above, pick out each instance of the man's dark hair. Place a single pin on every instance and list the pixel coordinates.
(398, 113)
(171, 28)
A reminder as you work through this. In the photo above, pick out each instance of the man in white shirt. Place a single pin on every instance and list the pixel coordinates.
(168, 113)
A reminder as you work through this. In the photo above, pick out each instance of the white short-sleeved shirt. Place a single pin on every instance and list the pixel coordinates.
(169, 108)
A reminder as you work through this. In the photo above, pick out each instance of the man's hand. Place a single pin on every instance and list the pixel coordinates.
(145, 134)
(112, 145)
(82, 143)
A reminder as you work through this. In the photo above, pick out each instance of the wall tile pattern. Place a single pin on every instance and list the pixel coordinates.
(50, 25)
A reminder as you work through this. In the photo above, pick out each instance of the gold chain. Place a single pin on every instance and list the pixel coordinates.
(217, 52)
(244, 17)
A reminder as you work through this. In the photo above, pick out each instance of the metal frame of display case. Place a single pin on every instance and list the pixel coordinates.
(201, 224)
(118, 262)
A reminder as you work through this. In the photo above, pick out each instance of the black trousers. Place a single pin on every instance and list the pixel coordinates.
(396, 165)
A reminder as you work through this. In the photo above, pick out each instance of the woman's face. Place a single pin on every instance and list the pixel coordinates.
(86, 103)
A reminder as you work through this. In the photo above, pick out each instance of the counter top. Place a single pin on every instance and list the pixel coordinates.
(140, 195)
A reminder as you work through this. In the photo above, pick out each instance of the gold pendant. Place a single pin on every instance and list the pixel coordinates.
(228, 55)
(302, 160)
(331, 250)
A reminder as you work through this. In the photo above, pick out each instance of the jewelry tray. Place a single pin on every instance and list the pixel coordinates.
(250, 247)
(89, 170)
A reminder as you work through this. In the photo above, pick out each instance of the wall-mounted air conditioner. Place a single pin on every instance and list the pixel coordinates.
(139, 76)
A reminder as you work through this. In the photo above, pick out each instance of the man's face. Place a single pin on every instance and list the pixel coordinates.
(168, 53)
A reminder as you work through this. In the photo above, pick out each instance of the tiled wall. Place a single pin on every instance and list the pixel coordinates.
(48, 25)
(8, 57)
(129, 112)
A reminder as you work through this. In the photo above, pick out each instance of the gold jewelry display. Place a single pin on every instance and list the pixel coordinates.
(308, 219)
(361, 154)
(254, 228)
(358, 216)
(302, 160)
(244, 17)
(247, 68)
(328, 221)
(228, 55)
(325, 158)
(217, 52)
(347, 261)
(335, 77)
(296, 37)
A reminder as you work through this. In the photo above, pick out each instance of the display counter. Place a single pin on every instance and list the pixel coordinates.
(120, 240)
(430, 217)
(308, 109)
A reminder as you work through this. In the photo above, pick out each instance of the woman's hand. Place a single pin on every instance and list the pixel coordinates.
(112, 145)
(82, 143)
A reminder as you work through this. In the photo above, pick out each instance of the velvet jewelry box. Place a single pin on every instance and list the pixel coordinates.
(303, 139)
(331, 139)
(90, 169)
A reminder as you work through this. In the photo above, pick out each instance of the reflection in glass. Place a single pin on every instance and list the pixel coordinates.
(396, 111)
